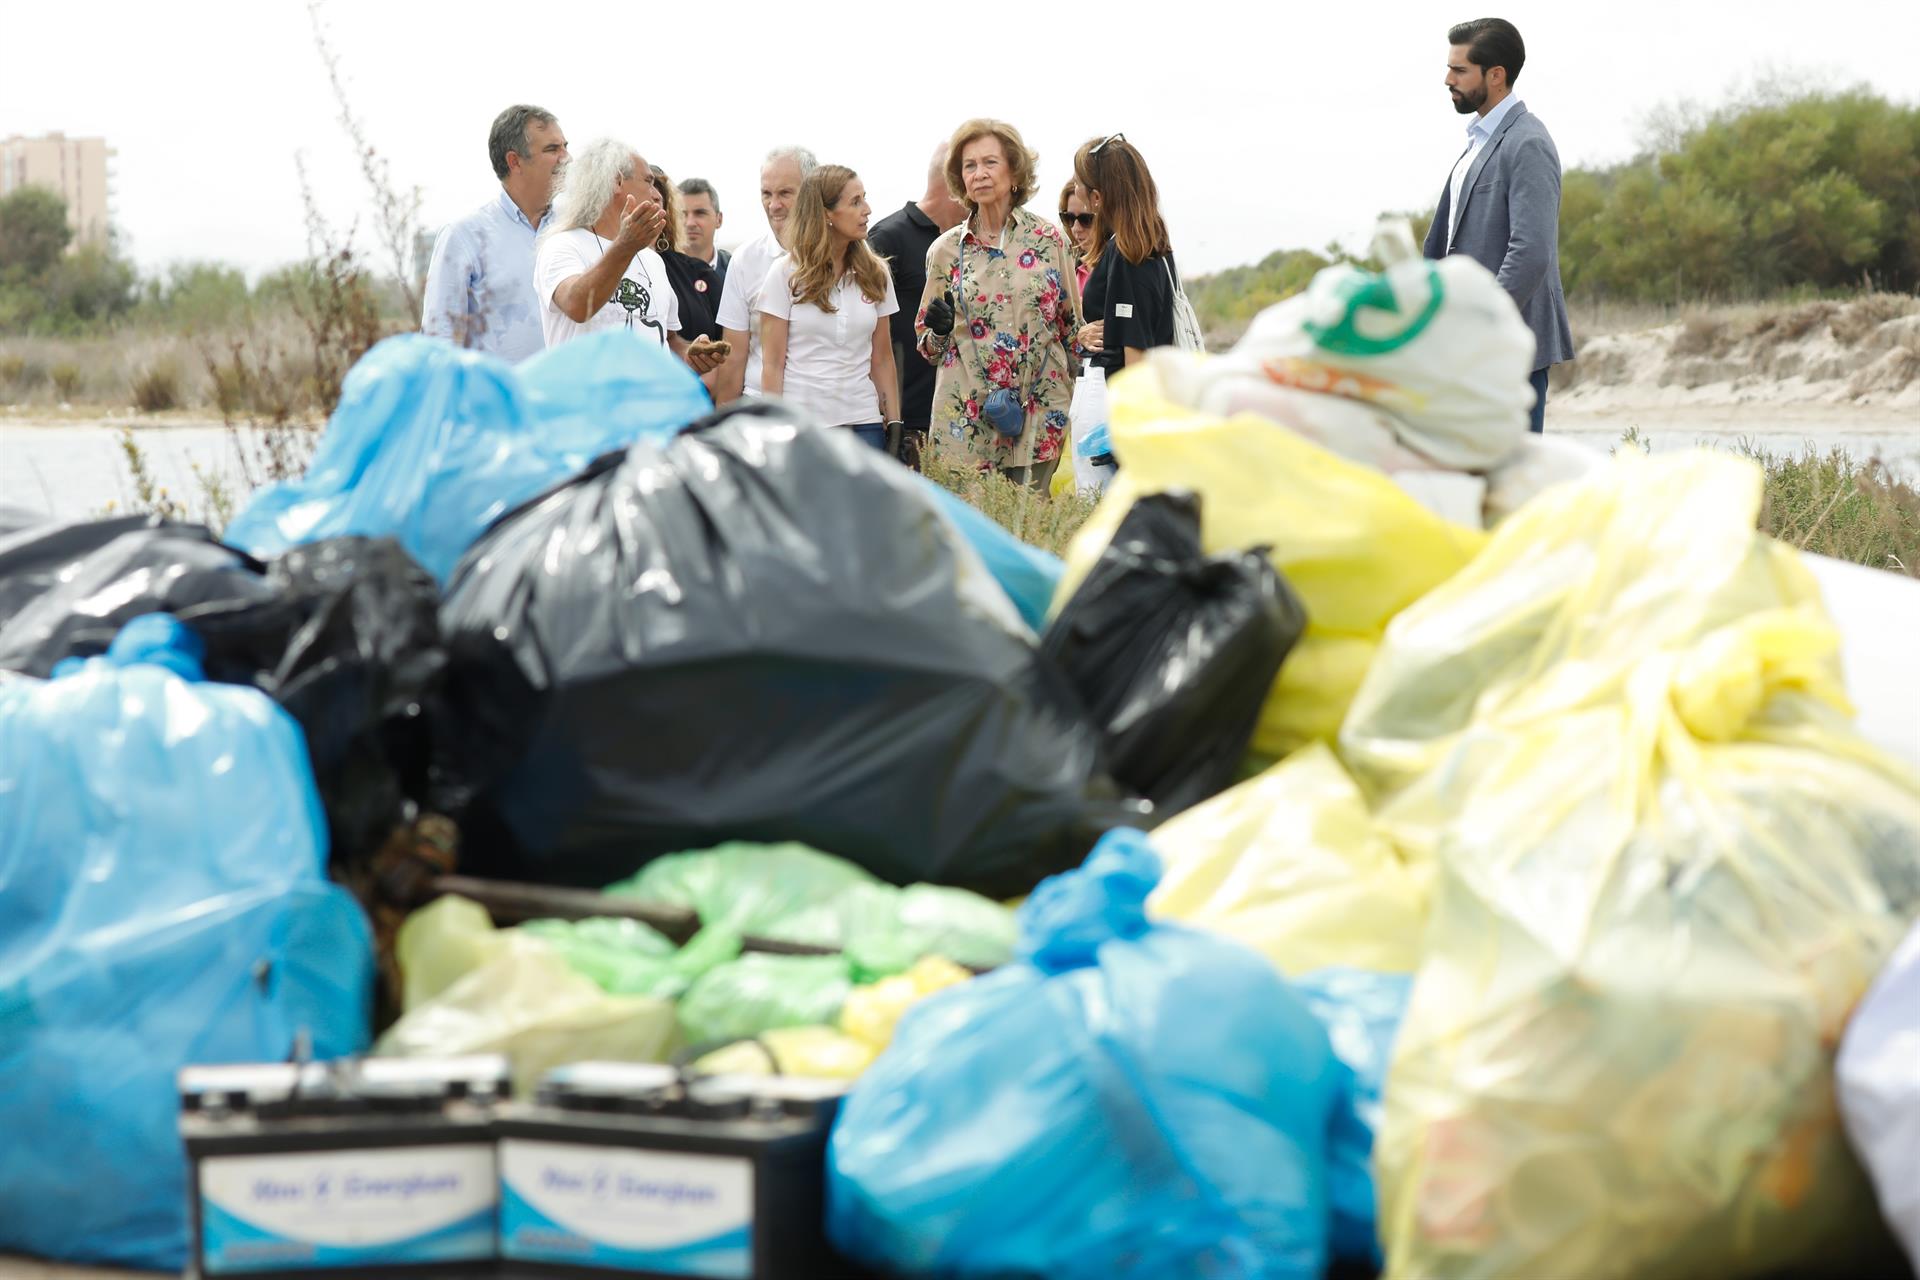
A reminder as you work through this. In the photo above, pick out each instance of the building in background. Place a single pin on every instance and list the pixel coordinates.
(76, 168)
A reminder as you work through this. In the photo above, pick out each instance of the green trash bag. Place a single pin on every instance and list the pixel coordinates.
(746, 887)
(628, 957)
(793, 893)
(759, 992)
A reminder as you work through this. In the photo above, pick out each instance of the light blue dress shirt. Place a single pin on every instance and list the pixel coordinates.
(480, 283)
(1480, 131)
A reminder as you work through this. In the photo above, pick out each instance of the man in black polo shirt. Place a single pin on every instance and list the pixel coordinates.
(903, 238)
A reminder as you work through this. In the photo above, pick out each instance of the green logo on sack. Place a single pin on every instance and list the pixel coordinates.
(1364, 291)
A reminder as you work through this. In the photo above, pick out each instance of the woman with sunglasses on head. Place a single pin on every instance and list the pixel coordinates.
(999, 313)
(825, 341)
(1128, 301)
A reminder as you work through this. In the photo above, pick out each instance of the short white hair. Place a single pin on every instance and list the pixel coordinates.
(586, 183)
(799, 155)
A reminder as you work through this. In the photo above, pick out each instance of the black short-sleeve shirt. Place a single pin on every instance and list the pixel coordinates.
(1135, 300)
(697, 287)
(903, 238)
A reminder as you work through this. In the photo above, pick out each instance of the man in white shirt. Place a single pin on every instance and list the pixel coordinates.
(780, 177)
(480, 281)
(596, 268)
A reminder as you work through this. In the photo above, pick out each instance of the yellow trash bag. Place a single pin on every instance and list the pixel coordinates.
(873, 1011)
(866, 1024)
(471, 988)
(1354, 546)
(1667, 869)
(822, 1052)
(1063, 473)
(1291, 864)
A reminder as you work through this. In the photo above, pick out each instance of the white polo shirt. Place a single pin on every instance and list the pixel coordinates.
(829, 354)
(644, 301)
(740, 300)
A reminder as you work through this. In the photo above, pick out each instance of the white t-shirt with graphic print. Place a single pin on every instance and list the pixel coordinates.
(644, 301)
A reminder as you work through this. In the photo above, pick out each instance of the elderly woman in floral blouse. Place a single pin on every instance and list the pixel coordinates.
(999, 313)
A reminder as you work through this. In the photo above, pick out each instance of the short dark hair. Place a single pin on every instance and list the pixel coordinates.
(509, 133)
(700, 187)
(1492, 42)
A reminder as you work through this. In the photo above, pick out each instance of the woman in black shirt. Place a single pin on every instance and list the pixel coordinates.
(1128, 299)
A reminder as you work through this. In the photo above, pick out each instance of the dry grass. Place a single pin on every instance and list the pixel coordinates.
(1036, 519)
(1835, 505)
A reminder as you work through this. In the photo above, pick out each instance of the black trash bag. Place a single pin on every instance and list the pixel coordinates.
(759, 630)
(67, 588)
(344, 634)
(350, 647)
(1174, 651)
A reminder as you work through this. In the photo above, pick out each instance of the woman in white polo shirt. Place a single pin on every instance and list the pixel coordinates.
(824, 339)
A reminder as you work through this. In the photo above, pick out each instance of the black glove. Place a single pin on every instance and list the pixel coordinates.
(940, 314)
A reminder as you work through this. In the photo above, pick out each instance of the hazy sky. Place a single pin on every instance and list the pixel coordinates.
(1267, 126)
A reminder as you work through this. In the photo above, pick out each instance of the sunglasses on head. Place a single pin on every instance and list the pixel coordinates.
(1118, 137)
(1083, 219)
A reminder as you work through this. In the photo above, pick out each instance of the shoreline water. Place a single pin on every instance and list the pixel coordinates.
(73, 467)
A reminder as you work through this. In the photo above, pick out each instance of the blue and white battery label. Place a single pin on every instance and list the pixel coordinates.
(347, 1209)
(664, 1211)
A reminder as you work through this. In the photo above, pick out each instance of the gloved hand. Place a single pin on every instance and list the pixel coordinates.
(940, 314)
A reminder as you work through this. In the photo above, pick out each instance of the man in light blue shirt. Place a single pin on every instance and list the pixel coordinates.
(480, 283)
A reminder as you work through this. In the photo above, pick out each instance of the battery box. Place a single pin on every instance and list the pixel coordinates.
(368, 1167)
(621, 1169)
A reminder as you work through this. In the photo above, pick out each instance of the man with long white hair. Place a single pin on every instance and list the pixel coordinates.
(781, 174)
(596, 268)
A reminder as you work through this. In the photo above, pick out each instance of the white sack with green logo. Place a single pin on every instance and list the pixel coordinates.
(1421, 366)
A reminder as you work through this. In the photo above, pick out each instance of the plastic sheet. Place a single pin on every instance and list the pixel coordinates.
(1173, 650)
(1668, 870)
(1879, 1072)
(430, 444)
(1134, 1100)
(757, 631)
(163, 902)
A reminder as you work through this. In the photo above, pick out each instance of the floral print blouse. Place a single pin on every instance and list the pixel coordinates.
(1015, 316)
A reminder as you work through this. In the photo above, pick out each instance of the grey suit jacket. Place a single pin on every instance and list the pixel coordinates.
(1510, 224)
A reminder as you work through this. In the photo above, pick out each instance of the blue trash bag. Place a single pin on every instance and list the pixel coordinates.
(1362, 1012)
(1095, 443)
(1027, 574)
(163, 902)
(431, 444)
(1133, 1099)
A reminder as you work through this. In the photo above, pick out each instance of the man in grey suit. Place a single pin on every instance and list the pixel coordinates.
(1501, 204)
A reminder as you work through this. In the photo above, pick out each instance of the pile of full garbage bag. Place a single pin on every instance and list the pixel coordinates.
(1386, 842)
